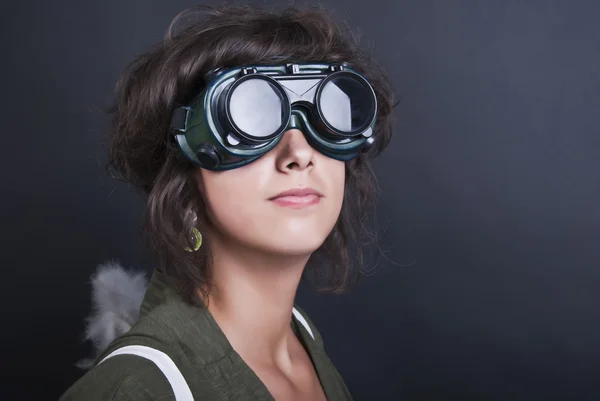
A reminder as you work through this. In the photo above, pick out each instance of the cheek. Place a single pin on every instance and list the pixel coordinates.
(231, 197)
(338, 182)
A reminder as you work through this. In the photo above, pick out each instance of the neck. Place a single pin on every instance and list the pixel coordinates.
(252, 297)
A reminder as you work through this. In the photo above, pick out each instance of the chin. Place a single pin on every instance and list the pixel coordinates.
(294, 246)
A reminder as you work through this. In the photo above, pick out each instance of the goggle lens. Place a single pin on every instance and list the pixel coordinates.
(346, 104)
(256, 108)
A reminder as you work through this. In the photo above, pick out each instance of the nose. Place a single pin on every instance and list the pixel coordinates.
(294, 152)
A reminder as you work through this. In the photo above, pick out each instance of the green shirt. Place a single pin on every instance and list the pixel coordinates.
(191, 337)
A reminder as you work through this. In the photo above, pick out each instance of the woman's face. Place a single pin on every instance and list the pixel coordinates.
(244, 207)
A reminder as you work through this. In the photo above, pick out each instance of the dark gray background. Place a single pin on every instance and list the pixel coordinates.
(491, 197)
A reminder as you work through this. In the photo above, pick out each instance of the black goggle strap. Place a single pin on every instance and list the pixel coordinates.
(179, 120)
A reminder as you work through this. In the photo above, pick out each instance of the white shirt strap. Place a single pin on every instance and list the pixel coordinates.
(302, 320)
(164, 363)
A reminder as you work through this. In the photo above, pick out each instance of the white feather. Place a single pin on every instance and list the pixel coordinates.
(117, 295)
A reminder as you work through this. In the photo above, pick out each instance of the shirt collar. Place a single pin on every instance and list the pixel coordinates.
(161, 289)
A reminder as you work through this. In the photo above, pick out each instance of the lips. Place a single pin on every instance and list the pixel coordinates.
(297, 198)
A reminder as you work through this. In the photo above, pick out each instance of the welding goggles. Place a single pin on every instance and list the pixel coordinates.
(243, 112)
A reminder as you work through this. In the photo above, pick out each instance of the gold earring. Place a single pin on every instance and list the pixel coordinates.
(197, 238)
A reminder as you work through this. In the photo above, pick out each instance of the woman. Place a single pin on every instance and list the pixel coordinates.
(252, 134)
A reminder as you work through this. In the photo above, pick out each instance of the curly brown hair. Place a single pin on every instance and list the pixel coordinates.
(141, 150)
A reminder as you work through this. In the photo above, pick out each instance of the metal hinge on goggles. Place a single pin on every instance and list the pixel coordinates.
(242, 113)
